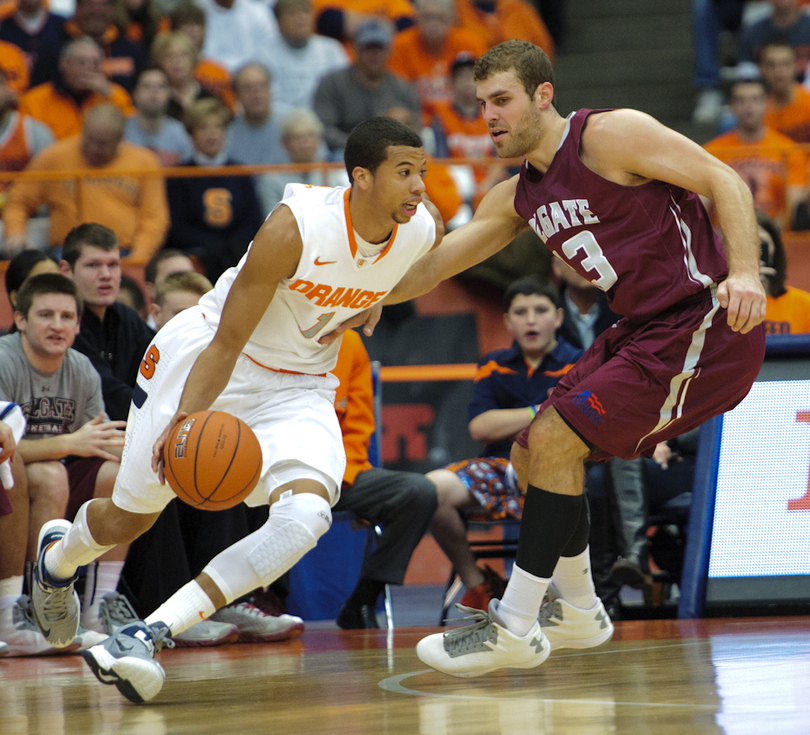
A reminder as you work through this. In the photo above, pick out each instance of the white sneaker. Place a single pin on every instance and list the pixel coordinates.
(256, 626)
(4, 648)
(207, 633)
(20, 632)
(708, 107)
(567, 626)
(485, 646)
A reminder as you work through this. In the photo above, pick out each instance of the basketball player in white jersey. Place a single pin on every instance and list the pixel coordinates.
(251, 348)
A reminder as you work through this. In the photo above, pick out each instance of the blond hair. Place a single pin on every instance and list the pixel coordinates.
(165, 41)
(190, 281)
(202, 109)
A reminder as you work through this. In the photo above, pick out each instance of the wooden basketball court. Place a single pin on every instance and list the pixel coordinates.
(719, 676)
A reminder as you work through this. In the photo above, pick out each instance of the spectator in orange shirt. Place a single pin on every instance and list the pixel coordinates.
(766, 160)
(495, 21)
(788, 309)
(212, 76)
(15, 66)
(134, 207)
(80, 84)
(788, 110)
(423, 54)
(21, 137)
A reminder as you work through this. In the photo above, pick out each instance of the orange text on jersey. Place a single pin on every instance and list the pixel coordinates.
(323, 295)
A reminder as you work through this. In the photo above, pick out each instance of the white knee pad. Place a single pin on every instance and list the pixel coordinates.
(78, 545)
(293, 528)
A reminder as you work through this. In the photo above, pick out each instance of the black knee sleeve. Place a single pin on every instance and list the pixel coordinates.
(582, 534)
(548, 525)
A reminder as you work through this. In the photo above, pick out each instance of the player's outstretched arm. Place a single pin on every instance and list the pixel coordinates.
(494, 226)
(627, 146)
(274, 255)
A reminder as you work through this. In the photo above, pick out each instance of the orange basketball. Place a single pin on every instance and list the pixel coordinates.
(212, 460)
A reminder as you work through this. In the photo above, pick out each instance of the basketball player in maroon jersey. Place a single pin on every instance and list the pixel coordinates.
(614, 194)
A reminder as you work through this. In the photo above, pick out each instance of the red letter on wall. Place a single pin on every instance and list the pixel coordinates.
(403, 431)
(802, 503)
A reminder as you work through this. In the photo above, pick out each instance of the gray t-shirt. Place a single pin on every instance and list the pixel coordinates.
(171, 144)
(255, 144)
(342, 101)
(53, 403)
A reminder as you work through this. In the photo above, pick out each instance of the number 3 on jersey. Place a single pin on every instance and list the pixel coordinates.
(594, 259)
(150, 362)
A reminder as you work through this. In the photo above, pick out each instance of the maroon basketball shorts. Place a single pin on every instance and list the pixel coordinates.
(82, 475)
(643, 383)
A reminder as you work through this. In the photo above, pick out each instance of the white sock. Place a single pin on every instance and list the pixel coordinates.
(183, 609)
(102, 577)
(520, 604)
(11, 587)
(75, 549)
(574, 581)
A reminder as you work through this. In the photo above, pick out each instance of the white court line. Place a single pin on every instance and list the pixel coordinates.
(394, 684)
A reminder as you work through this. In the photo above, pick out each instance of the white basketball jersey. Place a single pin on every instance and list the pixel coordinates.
(333, 280)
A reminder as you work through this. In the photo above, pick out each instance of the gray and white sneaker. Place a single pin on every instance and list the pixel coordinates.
(256, 626)
(207, 633)
(20, 632)
(56, 604)
(114, 612)
(484, 646)
(126, 659)
(567, 626)
(86, 638)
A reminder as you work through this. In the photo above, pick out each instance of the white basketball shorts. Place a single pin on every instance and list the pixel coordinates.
(292, 415)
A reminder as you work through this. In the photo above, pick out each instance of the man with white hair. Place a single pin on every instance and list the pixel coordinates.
(302, 139)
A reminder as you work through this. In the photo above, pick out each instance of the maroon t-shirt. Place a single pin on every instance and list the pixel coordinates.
(648, 247)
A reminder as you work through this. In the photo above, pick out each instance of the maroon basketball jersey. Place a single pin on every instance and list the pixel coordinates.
(648, 247)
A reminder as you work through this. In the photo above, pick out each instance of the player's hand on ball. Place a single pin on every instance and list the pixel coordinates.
(157, 449)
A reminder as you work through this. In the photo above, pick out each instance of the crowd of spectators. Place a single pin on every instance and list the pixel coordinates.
(121, 91)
